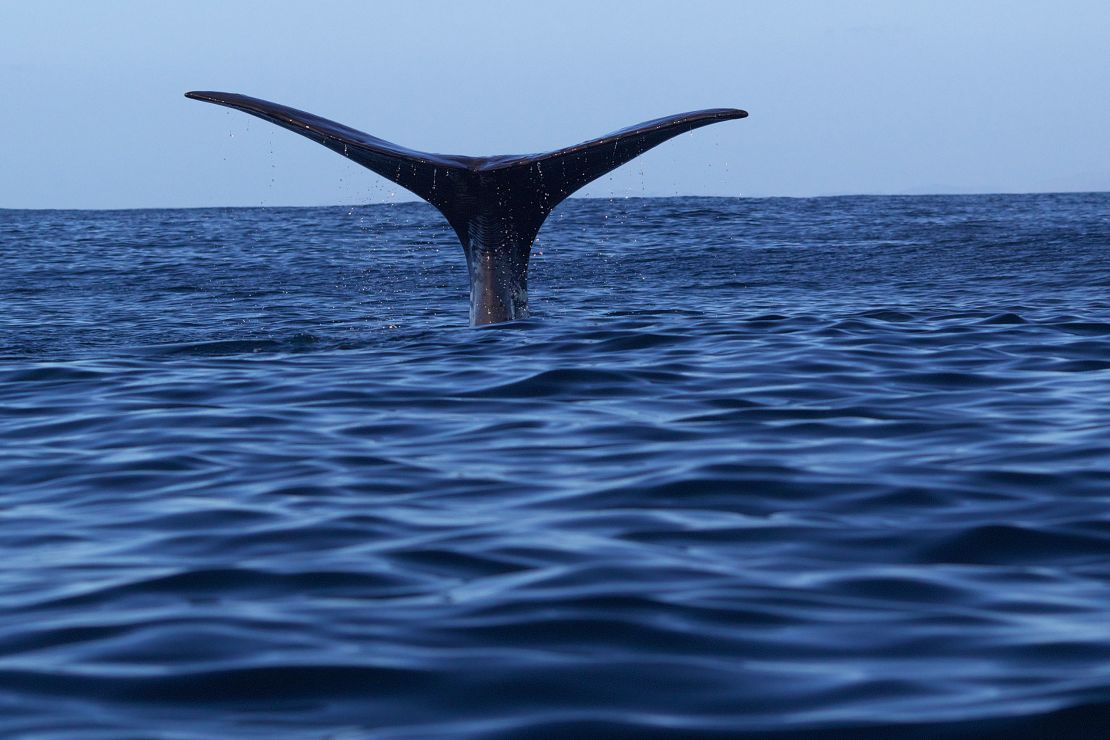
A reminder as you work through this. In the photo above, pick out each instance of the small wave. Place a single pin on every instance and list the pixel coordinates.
(782, 467)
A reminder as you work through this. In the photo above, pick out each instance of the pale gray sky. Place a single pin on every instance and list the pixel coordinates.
(845, 97)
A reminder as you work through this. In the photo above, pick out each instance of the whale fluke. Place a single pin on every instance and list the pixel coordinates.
(496, 204)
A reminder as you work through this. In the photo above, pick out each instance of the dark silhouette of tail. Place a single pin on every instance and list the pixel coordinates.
(495, 204)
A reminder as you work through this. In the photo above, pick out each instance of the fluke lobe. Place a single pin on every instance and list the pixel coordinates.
(495, 204)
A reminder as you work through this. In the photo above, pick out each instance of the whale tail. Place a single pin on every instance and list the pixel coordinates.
(497, 204)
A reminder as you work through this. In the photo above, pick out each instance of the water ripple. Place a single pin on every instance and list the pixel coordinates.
(797, 468)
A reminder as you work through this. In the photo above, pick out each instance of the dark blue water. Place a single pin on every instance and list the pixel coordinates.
(821, 467)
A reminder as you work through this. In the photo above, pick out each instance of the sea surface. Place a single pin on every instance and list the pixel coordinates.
(832, 467)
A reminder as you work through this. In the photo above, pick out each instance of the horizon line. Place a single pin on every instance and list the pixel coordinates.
(417, 200)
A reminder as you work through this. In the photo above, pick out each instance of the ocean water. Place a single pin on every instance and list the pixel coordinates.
(832, 467)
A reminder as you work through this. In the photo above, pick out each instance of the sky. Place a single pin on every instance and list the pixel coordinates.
(844, 97)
